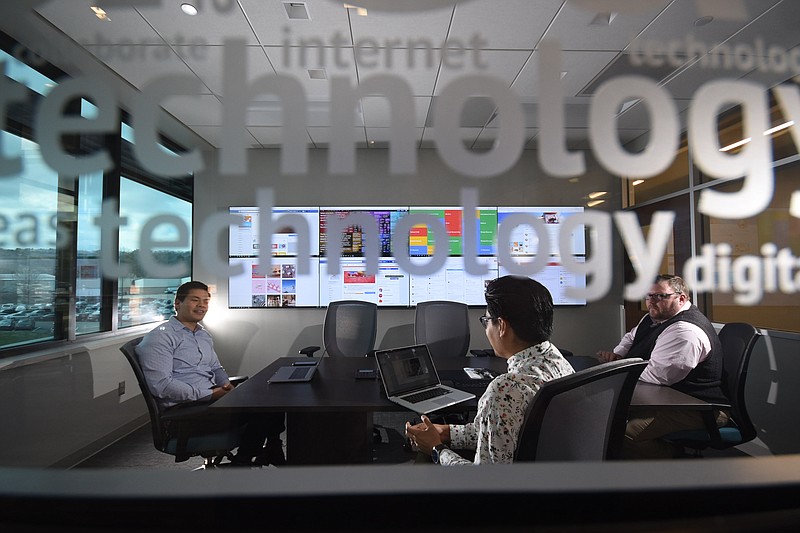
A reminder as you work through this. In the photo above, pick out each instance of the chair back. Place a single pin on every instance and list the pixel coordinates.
(159, 431)
(350, 328)
(443, 326)
(738, 340)
(580, 417)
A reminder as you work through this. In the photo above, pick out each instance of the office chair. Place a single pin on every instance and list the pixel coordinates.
(738, 340)
(171, 431)
(580, 417)
(443, 326)
(349, 330)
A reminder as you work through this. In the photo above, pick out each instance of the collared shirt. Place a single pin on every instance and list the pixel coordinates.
(179, 364)
(680, 348)
(501, 409)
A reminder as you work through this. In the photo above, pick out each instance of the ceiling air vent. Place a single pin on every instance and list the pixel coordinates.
(296, 10)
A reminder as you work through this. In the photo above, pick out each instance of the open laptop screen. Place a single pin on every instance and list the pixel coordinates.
(406, 369)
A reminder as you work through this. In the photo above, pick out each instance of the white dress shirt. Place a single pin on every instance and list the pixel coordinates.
(679, 349)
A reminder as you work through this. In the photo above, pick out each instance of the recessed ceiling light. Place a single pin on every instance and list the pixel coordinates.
(702, 21)
(737, 144)
(779, 127)
(189, 9)
(317, 74)
(594, 203)
(637, 182)
(100, 13)
(597, 194)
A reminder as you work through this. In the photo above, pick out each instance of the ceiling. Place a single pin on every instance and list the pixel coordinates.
(148, 39)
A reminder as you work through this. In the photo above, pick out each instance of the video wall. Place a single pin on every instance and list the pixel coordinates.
(349, 233)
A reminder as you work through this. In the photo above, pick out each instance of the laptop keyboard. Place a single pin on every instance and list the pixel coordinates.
(299, 373)
(425, 395)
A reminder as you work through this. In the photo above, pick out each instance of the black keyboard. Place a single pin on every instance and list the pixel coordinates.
(299, 373)
(470, 384)
(425, 395)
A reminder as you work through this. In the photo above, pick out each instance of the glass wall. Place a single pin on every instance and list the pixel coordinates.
(53, 258)
(769, 235)
(766, 242)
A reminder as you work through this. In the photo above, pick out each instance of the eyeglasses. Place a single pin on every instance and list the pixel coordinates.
(485, 320)
(661, 296)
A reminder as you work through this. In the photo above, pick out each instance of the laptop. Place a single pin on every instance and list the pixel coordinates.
(410, 380)
(293, 374)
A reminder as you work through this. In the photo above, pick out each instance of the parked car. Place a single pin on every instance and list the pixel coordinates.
(6, 324)
(24, 323)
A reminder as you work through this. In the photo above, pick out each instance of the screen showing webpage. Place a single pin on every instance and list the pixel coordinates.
(557, 279)
(453, 282)
(389, 287)
(524, 240)
(244, 237)
(281, 286)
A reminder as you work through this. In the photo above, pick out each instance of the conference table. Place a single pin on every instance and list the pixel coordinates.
(329, 419)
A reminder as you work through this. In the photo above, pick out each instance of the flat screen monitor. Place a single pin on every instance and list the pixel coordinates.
(281, 286)
(354, 237)
(389, 287)
(244, 240)
(481, 226)
(524, 240)
(453, 282)
(557, 279)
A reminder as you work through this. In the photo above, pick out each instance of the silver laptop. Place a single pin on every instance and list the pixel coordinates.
(292, 374)
(410, 380)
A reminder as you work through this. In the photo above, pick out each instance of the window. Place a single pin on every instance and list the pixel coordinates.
(28, 211)
(149, 278)
(52, 253)
(776, 309)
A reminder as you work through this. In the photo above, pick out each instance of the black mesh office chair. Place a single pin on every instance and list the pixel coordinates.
(171, 431)
(738, 340)
(443, 326)
(580, 417)
(349, 330)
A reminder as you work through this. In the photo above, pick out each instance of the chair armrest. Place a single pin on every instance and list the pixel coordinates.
(308, 350)
(237, 380)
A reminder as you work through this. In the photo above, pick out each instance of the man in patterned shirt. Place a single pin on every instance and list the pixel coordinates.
(518, 324)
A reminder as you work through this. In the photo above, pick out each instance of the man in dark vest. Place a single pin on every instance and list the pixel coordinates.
(683, 352)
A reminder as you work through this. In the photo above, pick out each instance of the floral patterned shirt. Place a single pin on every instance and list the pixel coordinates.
(501, 409)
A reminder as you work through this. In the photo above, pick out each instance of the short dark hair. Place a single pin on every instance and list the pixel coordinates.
(183, 290)
(675, 283)
(524, 303)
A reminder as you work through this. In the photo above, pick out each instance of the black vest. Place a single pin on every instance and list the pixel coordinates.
(705, 380)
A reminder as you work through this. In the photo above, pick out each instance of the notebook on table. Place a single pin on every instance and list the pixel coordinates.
(410, 380)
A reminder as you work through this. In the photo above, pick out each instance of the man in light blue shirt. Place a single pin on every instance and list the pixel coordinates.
(182, 369)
